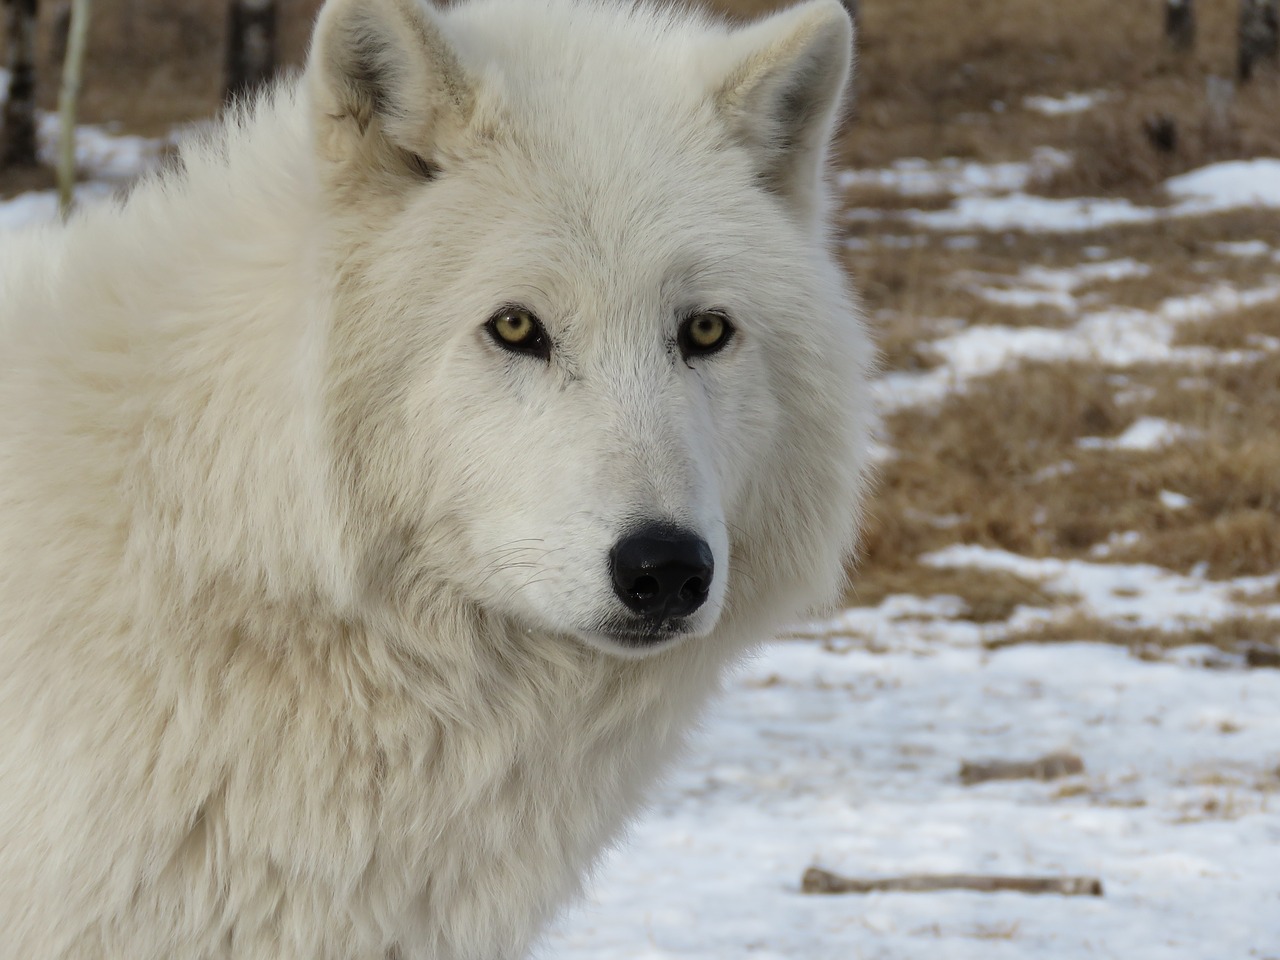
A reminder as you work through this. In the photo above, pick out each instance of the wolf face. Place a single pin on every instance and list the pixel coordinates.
(609, 260)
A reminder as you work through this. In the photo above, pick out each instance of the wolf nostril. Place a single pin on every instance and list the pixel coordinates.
(645, 587)
(661, 571)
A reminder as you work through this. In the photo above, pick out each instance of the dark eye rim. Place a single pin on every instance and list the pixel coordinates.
(690, 349)
(538, 345)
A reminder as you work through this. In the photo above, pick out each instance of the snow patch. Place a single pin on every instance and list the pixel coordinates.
(1145, 433)
(847, 758)
(100, 153)
(1003, 206)
(1055, 287)
(1228, 185)
(1126, 595)
(109, 159)
(1243, 248)
(41, 206)
(914, 177)
(1066, 104)
(1118, 337)
(1021, 211)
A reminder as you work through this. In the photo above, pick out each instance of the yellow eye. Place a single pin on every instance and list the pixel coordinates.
(704, 333)
(514, 327)
(518, 330)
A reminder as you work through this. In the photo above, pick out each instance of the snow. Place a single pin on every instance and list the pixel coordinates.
(1021, 211)
(1054, 287)
(41, 206)
(915, 177)
(994, 199)
(1145, 433)
(1243, 248)
(107, 158)
(1232, 183)
(847, 758)
(1120, 336)
(101, 154)
(1066, 104)
(1124, 595)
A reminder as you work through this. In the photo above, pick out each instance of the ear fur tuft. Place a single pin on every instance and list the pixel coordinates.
(386, 66)
(783, 96)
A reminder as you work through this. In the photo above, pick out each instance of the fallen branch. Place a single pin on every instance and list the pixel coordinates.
(1262, 655)
(1049, 767)
(817, 880)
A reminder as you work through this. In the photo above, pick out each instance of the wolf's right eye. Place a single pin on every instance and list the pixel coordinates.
(704, 334)
(518, 330)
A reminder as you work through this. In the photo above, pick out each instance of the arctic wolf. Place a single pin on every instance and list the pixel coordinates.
(383, 492)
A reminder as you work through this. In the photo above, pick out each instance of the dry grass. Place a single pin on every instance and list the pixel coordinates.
(1242, 330)
(154, 63)
(1115, 151)
(990, 596)
(1000, 466)
(916, 286)
(1231, 636)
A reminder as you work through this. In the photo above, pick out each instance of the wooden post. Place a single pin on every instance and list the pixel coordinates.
(68, 97)
(251, 47)
(1258, 36)
(1180, 25)
(18, 129)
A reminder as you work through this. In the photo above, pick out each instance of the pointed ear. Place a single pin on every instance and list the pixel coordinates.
(383, 75)
(783, 93)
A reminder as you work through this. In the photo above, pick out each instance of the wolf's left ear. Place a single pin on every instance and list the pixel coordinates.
(783, 93)
(384, 75)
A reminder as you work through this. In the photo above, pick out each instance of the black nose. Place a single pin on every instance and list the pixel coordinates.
(661, 571)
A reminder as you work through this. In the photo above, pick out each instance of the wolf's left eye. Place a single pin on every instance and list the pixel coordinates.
(704, 333)
(518, 330)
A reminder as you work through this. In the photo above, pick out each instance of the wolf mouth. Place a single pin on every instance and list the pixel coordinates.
(639, 634)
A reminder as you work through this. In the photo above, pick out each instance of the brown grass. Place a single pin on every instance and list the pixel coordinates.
(154, 63)
(916, 288)
(1114, 153)
(973, 461)
(1000, 466)
(1231, 636)
(1241, 330)
(990, 596)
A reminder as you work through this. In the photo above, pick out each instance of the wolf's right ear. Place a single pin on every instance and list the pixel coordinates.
(382, 69)
(783, 92)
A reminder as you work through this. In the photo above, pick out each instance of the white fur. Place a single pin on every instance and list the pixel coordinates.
(301, 576)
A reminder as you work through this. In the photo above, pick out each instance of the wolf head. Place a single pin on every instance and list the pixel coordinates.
(593, 367)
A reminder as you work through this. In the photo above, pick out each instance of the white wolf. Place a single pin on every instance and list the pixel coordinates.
(383, 492)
